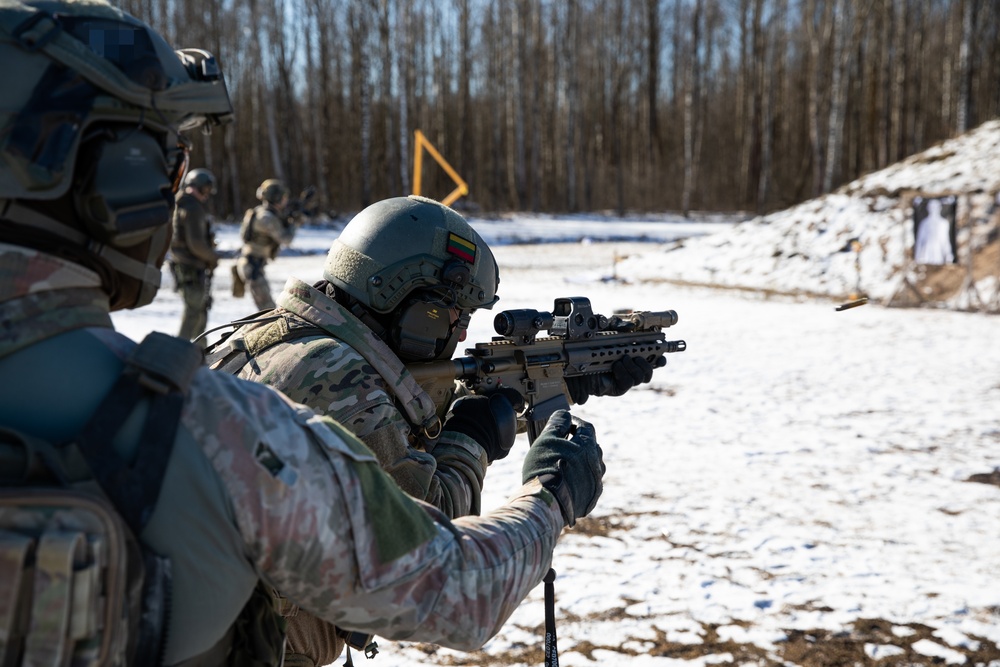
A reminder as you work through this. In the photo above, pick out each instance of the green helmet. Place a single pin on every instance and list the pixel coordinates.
(272, 191)
(200, 179)
(94, 102)
(408, 249)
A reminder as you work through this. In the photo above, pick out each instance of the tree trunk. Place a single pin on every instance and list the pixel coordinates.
(835, 125)
(385, 42)
(813, 36)
(406, 68)
(572, 100)
(964, 69)
(653, 81)
(692, 92)
(358, 20)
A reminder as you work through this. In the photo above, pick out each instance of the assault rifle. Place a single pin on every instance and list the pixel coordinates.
(303, 208)
(579, 342)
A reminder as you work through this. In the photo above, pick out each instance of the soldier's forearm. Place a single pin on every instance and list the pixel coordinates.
(402, 570)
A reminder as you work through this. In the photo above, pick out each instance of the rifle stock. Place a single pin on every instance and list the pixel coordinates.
(579, 342)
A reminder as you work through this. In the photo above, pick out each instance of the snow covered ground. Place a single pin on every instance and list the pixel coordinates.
(792, 489)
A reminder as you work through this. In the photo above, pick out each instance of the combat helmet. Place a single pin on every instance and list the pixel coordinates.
(91, 151)
(272, 191)
(408, 258)
(200, 179)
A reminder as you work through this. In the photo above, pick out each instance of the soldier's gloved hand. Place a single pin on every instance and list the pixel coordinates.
(625, 373)
(566, 458)
(489, 420)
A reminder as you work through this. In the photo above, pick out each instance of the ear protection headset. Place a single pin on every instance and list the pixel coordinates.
(123, 187)
(422, 327)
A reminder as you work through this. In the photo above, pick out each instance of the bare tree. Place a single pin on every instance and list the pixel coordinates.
(692, 98)
(835, 125)
(582, 104)
(361, 87)
(964, 67)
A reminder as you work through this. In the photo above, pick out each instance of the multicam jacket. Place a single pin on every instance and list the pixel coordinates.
(318, 354)
(192, 242)
(265, 233)
(260, 488)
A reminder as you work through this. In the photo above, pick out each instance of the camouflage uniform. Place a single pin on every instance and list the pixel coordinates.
(265, 232)
(193, 258)
(319, 354)
(259, 488)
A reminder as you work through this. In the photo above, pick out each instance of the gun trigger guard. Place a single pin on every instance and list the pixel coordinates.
(436, 433)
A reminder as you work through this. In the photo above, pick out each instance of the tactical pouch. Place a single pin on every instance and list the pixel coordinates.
(239, 287)
(75, 587)
(63, 579)
(246, 227)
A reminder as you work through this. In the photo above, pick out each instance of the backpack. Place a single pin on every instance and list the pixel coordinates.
(246, 227)
(76, 586)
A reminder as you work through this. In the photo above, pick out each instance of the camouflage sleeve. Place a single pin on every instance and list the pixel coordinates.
(334, 380)
(413, 470)
(457, 487)
(329, 529)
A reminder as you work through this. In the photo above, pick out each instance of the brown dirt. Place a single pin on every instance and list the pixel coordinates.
(801, 648)
(986, 477)
(940, 283)
(805, 648)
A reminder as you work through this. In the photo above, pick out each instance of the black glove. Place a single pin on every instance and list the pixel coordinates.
(625, 373)
(489, 420)
(567, 459)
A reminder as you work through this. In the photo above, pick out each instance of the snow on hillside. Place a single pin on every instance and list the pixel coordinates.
(805, 249)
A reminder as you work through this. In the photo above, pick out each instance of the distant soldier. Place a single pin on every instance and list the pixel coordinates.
(192, 250)
(265, 229)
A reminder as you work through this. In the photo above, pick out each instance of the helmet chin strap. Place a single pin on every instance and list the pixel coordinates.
(454, 334)
(145, 272)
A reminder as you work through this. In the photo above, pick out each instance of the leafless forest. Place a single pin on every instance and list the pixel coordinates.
(577, 105)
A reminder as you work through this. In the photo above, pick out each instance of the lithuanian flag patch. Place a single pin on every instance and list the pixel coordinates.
(465, 250)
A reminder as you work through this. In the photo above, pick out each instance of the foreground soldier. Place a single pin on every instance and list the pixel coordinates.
(265, 229)
(192, 251)
(399, 285)
(221, 489)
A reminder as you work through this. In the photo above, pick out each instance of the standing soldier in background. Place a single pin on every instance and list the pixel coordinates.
(265, 229)
(192, 252)
(150, 506)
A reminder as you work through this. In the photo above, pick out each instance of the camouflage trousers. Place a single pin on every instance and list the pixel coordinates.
(251, 269)
(195, 287)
